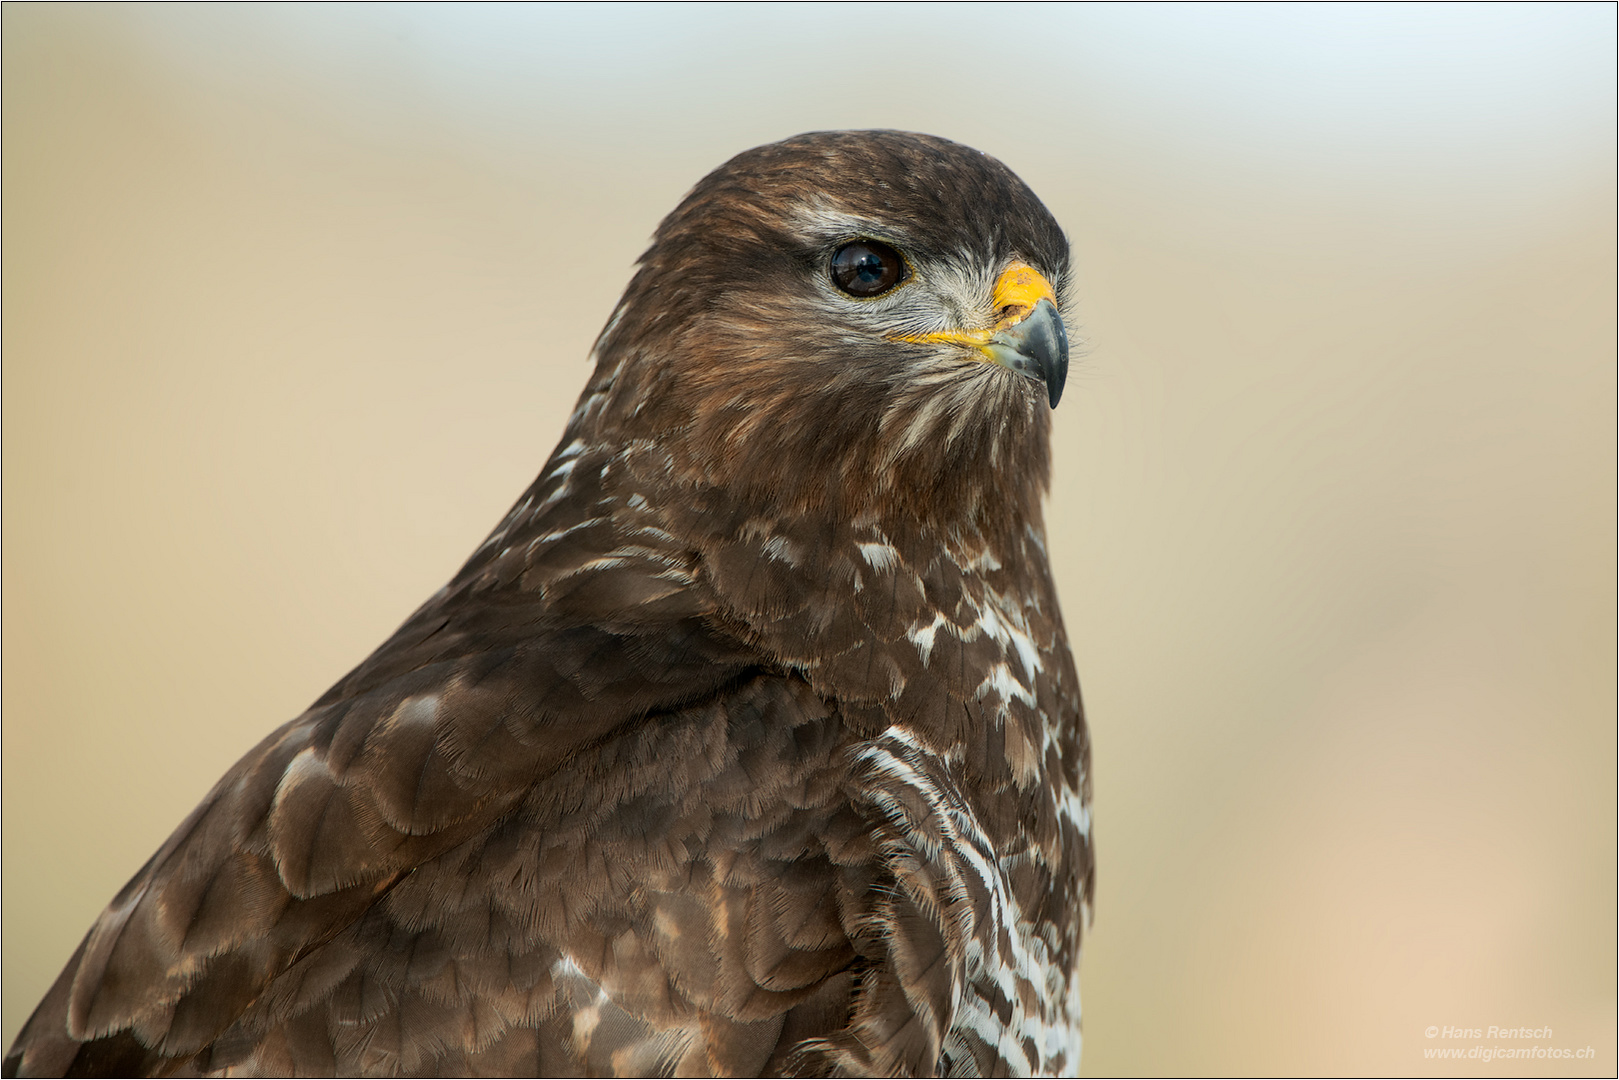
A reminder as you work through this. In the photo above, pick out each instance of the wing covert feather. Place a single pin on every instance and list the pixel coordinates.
(427, 743)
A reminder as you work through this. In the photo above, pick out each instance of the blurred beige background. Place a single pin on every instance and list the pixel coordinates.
(297, 299)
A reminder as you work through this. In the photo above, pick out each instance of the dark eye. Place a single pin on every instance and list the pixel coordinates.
(866, 268)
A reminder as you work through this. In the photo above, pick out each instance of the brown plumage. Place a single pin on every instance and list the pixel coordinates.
(748, 743)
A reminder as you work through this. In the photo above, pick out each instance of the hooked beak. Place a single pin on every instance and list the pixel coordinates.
(1028, 336)
(1037, 346)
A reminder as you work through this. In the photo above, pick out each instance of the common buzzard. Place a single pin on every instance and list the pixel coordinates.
(749, 743)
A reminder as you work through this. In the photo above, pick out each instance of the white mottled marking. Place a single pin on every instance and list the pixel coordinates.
(782, 549)
(922, 637)
(879, 556)
(1003, 683)
(1006, 956)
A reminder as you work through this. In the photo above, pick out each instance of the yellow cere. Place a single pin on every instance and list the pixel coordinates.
(1017, 290)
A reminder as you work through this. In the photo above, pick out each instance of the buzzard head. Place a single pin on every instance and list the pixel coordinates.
(858, 323)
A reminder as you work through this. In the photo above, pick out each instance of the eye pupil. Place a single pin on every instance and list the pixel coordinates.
(866, 268)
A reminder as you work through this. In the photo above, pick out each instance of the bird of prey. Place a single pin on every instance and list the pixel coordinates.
(749, 743)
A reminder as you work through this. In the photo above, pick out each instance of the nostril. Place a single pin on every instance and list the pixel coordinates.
(1011, 313)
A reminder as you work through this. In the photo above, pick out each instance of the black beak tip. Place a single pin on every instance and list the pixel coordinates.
(1056, 371)
(1044, 341)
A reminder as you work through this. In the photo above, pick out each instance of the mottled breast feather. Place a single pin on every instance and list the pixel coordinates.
(749, 743)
